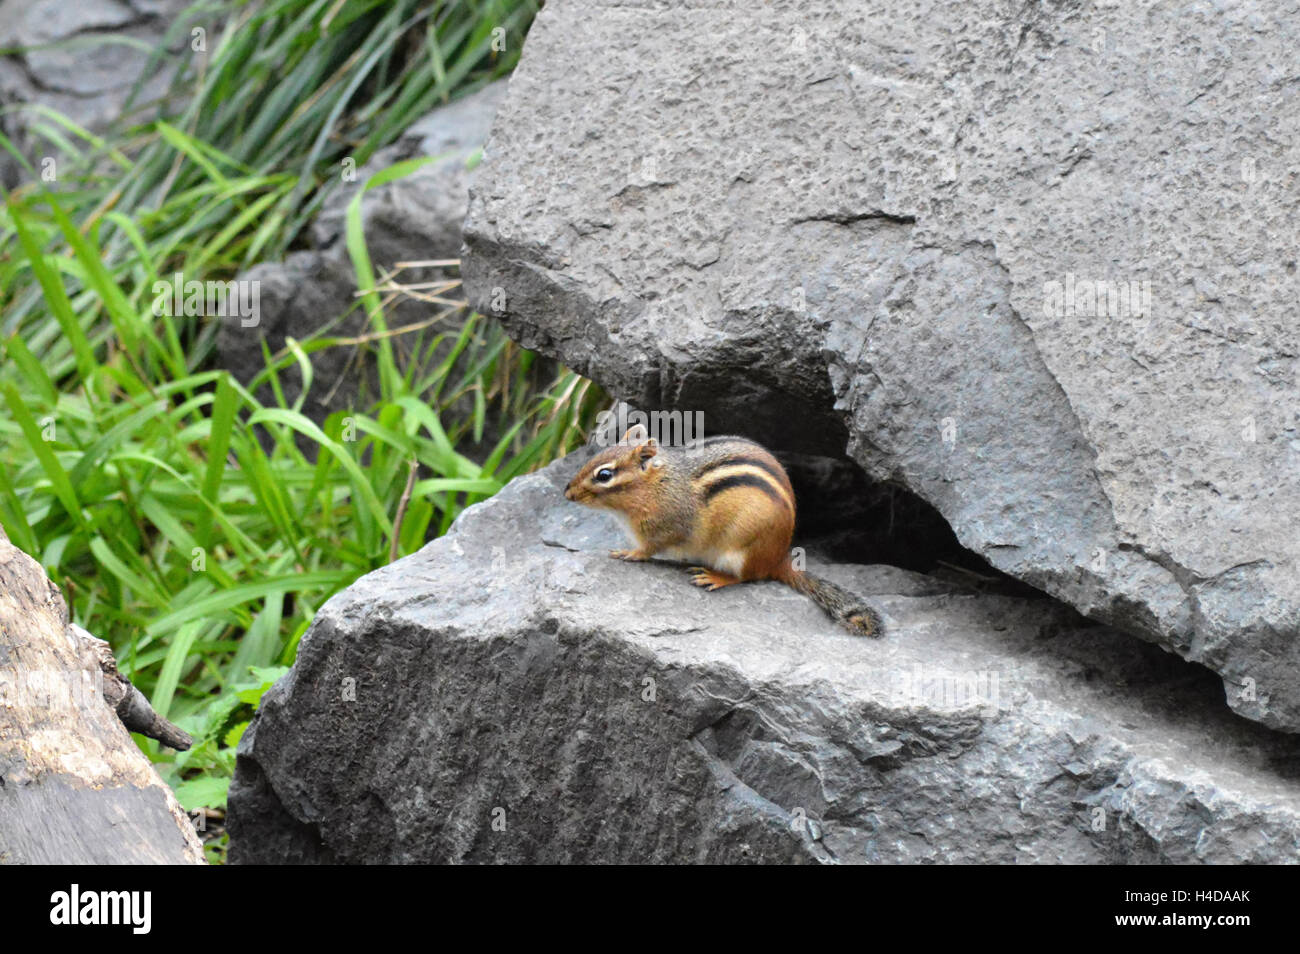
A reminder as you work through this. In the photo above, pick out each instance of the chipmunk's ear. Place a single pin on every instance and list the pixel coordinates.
(646, 449)
(635, 434)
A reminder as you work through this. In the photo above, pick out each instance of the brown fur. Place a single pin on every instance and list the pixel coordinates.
(716, 503)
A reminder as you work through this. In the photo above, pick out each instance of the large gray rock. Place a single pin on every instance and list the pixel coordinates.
(848, 228)
(511, 694)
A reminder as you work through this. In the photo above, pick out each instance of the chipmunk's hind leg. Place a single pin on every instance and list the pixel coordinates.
(711, 579)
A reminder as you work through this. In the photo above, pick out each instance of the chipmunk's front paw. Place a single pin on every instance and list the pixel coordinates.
(632, 556)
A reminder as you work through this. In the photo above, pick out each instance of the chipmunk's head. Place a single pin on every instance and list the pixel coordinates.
(610, 476)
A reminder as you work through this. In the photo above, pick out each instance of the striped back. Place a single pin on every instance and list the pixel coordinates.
(719, 464)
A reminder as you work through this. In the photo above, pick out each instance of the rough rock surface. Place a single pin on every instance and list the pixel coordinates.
(820, 221)
(511, 694)
(415, 218)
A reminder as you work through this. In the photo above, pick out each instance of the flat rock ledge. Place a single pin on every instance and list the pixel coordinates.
(511, 694)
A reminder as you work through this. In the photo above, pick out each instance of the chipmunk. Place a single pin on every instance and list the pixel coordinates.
(723, 502)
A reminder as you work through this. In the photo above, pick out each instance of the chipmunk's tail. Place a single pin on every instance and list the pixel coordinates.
(846, 608)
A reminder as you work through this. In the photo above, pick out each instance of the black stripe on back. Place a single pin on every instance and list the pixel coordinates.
(719, 438)
(745, 480)
(740, 459)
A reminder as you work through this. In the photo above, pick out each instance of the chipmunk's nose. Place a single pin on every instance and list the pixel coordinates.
(568, 492)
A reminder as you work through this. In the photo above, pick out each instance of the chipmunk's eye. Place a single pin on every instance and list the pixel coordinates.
(604, 475)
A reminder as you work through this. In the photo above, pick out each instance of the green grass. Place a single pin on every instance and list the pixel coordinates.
(193, 524)
(289, 91)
